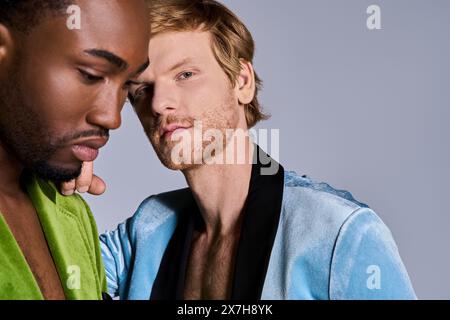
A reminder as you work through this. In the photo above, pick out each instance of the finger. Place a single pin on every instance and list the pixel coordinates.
(68, 188)
(83, 182)
(98, 186)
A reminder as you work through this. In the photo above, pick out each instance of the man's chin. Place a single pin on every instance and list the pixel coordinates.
(55, 173)
(179, 166)
(177, 163)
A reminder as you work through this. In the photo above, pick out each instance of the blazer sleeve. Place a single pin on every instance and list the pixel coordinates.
(117, 253)
(366, 264)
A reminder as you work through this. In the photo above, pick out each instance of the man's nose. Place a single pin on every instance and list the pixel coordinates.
(106, 113)
(164, 100)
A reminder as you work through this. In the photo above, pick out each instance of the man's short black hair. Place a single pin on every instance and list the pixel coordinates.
(23, 15)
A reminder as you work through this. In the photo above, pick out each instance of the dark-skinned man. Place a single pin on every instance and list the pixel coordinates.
(61, 92)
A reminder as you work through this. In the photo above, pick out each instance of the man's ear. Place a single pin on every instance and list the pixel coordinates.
(6, 43)
(246, 86)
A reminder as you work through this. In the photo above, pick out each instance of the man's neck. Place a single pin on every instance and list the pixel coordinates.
(220, 191)
(10, 172)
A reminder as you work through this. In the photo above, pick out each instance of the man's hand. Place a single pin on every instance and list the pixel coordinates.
(86, 182)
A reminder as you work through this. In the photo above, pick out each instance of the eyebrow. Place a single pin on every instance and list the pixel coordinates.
(108, 56)
(142, 68)
(179, 64)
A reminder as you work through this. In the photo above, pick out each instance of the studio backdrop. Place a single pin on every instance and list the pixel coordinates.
(360, 93)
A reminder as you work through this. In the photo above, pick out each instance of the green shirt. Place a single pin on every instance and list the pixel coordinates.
(72, 237)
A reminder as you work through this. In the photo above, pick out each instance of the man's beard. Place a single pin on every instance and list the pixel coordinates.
(47, 171)
(220, 118)
(22, 134)
(33, 149)
(163, 148)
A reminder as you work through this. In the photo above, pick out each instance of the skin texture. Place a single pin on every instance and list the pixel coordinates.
(185, 83)
(56, 93)
(47, 106)
(182, 86)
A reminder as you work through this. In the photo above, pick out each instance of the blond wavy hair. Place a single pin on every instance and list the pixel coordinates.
(231, 40)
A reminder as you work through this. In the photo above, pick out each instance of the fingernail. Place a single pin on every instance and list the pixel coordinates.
(83, 189)
(67, 192)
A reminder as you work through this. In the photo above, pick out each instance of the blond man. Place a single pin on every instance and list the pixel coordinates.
(238, 231)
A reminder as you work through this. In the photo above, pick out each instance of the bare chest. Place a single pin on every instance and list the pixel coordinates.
(210, 270)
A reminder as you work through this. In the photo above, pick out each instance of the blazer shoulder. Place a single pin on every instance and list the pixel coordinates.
(316, 210)
(293, 180)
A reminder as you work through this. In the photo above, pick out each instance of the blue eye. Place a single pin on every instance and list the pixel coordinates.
(185, 75)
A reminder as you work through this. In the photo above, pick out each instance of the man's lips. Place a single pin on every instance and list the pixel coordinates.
(87, 150)
(167, 131)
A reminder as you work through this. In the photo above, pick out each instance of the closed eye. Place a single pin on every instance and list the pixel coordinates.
(89, 78)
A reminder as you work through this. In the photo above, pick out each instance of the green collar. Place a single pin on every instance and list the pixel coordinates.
(72, 240)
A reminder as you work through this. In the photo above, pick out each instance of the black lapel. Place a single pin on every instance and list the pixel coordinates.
(259, 228)
(169, 282)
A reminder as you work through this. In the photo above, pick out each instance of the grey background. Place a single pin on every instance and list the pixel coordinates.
(365, 111)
